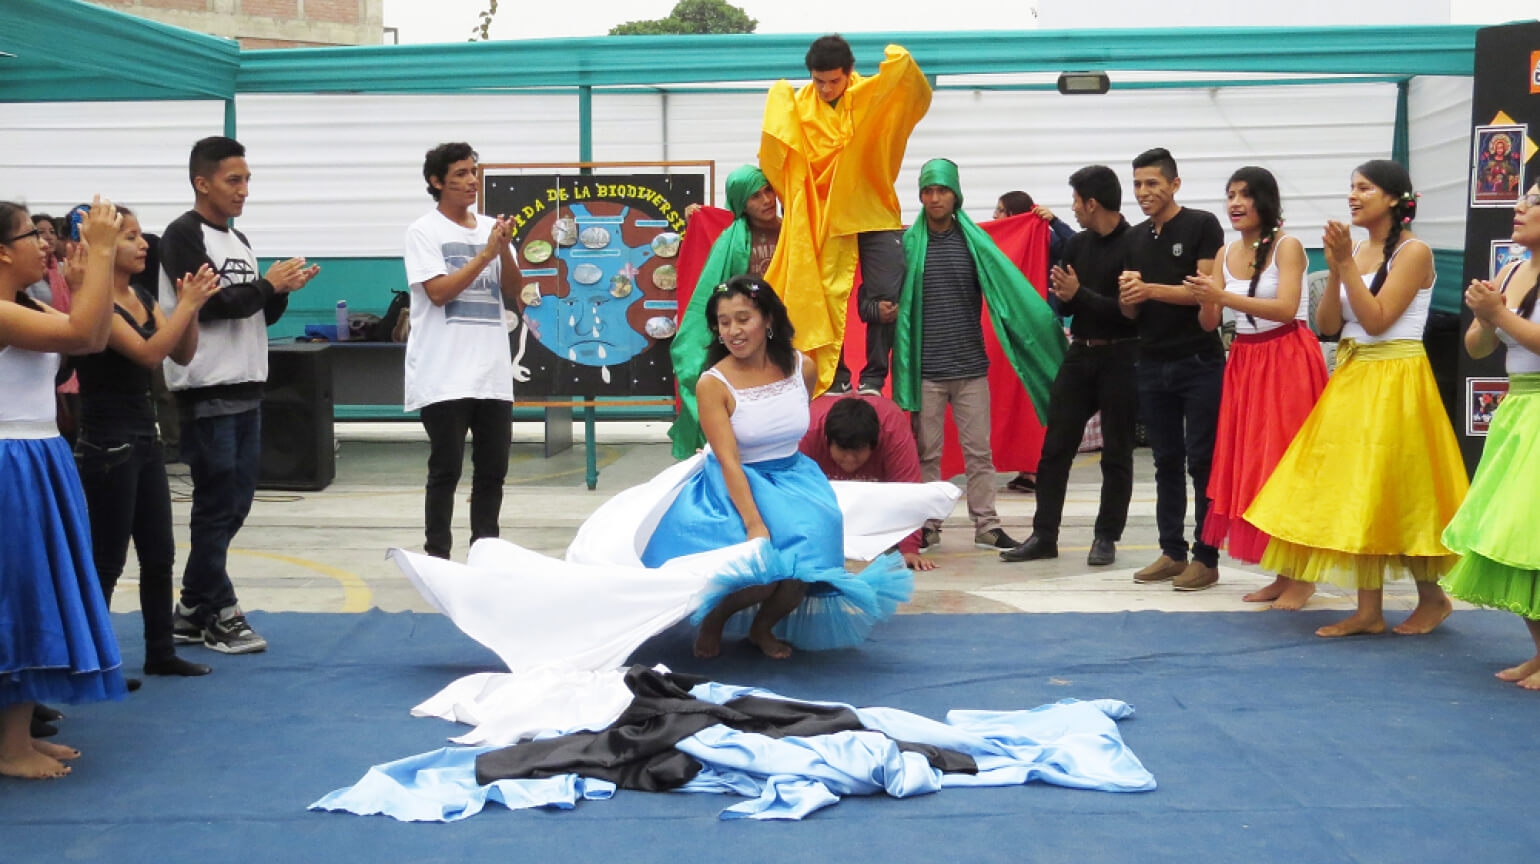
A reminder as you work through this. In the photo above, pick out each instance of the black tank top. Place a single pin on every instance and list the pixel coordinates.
(114, 390)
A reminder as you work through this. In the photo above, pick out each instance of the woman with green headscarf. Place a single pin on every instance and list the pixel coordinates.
(746, 246)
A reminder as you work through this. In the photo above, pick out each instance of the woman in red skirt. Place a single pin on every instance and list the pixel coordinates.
(1274, 374)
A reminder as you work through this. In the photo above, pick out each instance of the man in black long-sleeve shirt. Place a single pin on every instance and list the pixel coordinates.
(219, 393)
(1098, 373)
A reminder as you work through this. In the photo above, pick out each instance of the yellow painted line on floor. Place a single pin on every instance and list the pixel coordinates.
(356, 596)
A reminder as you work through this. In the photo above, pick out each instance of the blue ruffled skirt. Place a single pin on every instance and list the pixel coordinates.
(807, 531)
(56, 641)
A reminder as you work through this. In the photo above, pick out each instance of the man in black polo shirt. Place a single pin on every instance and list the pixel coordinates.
(1098, 373)
(1181, 365)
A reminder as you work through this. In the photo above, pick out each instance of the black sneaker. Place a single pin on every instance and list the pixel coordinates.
(228, 633)
(184, 630)
(994, 538)
(930, 538)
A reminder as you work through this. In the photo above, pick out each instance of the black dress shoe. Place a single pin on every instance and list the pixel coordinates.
(1103, 552)
(1032, 549)
(174, 665)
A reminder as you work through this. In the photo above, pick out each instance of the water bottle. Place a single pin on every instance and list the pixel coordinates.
(343, 332)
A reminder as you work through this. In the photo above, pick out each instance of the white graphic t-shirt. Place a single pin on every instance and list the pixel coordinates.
(459, 350)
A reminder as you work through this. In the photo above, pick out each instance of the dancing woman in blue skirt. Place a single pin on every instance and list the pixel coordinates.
(56, 642)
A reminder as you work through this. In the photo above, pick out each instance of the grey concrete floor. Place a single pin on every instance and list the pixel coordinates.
(325, 551)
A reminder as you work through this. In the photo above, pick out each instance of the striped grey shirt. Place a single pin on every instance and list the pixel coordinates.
(952, 346)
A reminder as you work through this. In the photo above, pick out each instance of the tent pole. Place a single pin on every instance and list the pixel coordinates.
(1401, 141)
(230, 117)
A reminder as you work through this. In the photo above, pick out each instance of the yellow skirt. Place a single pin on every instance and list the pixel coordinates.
(1370, 480)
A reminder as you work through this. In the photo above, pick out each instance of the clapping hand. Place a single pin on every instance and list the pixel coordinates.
(1205, 289)
(1132, 289)
(1338, 243)
(1063, 282)
(101, 225)
(291, 274)
(195, 289)
(1484, 301)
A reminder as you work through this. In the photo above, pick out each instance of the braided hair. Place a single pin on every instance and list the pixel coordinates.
(1262, 188)
(1527, 305)
(1393, 180)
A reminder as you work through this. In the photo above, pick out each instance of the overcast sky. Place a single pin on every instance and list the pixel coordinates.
(453, 20)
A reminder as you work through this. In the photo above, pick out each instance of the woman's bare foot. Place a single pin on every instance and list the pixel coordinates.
(1521, 671)
(33, 765)
(774, 648)
(61, 752)
(1530, 683)
(708, 642)
(1426, 617)
(1295, 596)
(1270, 593)
(1355, 624)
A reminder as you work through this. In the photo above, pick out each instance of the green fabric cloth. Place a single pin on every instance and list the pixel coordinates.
(1028, 330)
(729, 257)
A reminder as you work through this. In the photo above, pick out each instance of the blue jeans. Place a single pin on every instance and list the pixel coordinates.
(224, 455)
(1179, 400)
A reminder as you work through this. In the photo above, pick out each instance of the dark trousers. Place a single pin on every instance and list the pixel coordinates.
(1179, 400)
(224, 456)
(1092, 378)
(490, 422)
(882, 278)
(128, 498)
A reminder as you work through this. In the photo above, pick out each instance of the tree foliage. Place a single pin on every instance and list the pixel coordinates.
(692, 16)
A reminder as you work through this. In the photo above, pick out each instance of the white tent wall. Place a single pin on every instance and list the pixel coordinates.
(1439, 152)
(57, 155)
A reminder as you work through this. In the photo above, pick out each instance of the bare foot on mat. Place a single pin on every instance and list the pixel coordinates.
(1521, 671)
(33, 765)
(1294, 597)
(1354, 625)
(1426, 617)
(1270, 593)
(61, 752)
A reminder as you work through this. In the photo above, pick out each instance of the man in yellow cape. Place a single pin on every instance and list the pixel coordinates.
(832, 150)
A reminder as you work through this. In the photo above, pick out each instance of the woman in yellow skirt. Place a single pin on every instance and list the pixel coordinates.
(1374, 475)
(1494, 531)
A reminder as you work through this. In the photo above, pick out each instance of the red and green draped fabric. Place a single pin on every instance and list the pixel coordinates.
(1028, 332)
(729, 257)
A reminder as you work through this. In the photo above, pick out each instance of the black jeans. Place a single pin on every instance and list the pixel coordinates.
(490, 422)
(1179, 400)
(128, 498)
(224, 457)
(882, 278)
(1092, 378)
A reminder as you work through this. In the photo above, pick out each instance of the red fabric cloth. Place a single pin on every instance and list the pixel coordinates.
(1016, 437)
(1271, 384)
(703, 229)
(895, 459)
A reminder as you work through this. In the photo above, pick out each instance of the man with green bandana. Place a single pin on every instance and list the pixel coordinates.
(954, 270)
(746, 246)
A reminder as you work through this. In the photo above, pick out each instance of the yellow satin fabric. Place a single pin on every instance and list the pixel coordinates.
(1371, 478)
(834, 169)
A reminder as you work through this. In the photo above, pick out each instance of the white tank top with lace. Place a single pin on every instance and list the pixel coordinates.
(1521, 360)
(1267, 289)
(1411, 323)
(769, 420)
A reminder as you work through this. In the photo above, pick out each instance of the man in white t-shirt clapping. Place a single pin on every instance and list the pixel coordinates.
(459, 370)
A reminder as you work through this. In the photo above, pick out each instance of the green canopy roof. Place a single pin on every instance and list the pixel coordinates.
(70, 51)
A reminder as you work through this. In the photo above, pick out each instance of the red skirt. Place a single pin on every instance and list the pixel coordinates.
(1272, 380)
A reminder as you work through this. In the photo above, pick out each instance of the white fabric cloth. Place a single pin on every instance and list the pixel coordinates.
(459, 350)
(1411, 323)
(769, 420)
(28, 377)
(564, 627)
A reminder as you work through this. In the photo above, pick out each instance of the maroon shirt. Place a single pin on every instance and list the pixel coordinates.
(895, 459)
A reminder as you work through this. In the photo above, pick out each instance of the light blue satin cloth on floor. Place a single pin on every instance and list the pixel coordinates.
(1069, 743)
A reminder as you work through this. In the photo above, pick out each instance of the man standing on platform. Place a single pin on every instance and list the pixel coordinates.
(866, 438)
(219, 393)
(745, 246)
(954, 270)
(833, 150)
(459, 366)
(1098, 373)
(1181, 365)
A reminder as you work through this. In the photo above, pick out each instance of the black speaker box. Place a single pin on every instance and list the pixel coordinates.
(297, 446)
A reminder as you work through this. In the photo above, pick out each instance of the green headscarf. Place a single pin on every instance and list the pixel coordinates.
(1025, 325)
(729, 257)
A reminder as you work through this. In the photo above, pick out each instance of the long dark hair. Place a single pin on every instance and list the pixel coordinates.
(1393, 180)
(778, 334)
(1262, 188)
(10, 214)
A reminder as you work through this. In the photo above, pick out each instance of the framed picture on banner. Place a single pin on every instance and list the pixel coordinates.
(597, 244)
(1497, 165)
(1482, 396)
(1503, 253)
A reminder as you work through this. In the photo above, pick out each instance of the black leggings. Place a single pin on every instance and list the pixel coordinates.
(128, 497)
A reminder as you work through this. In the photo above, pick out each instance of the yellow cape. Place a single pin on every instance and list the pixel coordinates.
(834, 167)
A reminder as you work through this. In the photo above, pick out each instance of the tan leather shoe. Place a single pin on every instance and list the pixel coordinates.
(1196, 577)
(1165, 567)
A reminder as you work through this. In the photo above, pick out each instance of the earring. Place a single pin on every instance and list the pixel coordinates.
(769, 333)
